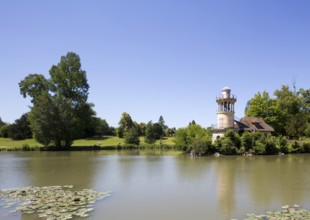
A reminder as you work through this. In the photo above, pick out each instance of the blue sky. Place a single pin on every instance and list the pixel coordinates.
(157, 57)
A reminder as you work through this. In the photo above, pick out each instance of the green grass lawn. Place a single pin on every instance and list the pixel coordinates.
(106, 141)
(7, 143)
(115, 141)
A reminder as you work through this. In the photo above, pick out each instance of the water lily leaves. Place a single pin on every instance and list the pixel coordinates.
(287, 213)
(51, 202)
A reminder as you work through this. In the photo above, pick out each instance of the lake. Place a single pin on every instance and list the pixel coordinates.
(153, 185)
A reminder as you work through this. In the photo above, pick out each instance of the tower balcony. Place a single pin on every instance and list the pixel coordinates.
(232, 98)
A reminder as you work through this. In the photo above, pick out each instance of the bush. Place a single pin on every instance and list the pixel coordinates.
(306, 147)
(229, 144)
(271, 146)
(283, 145)
(201, 146)
(234, 137)
(242, 150)
(260, 147)
(247, 141)
(181, 139)
(227, 147)
(296, 148)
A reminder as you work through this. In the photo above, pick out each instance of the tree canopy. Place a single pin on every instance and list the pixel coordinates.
(20, 129)
(126, 122)
(60, 110)
(153, 132)
(287, 112)
(194, 139)
(132, 136)
(161, 122)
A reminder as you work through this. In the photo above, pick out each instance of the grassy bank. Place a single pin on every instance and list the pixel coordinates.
(6, 144)
(9, 144)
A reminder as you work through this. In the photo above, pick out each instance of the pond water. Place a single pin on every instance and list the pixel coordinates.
(153, 185)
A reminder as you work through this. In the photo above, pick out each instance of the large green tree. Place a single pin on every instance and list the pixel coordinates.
(132, 136)
(60, 110)
(150, 133)
(290, 106)
(126, 122)
(287, 112)
(263, 106)
(153, 132)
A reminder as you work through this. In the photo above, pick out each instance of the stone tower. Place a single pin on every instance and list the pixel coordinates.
(225, 113)
(226, 109)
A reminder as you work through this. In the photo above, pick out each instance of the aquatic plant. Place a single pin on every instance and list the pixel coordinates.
(51, 202)
(294, 212)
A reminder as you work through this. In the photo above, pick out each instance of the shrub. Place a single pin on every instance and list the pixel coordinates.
(242, 150)
(181, 139)
(193, 137)
(306, 147)
(296, 148)
(283, 144)
(234, 137)
(227, 147)
(260, 147)
(271, 146)
(247, 141)
(201, 146)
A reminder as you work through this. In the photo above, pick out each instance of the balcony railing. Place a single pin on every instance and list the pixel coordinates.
(224, 97)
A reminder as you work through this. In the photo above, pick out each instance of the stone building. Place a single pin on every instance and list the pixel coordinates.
(226, 118)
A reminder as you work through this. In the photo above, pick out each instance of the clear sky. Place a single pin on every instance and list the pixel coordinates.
(157, 57)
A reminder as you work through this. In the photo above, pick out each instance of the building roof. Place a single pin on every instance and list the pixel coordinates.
(253, 124)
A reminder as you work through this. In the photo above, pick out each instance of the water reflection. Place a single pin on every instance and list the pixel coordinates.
(14, 171)
(279, 178)
(226, 170)
(152, 185)
(62, 168)
(193, 170)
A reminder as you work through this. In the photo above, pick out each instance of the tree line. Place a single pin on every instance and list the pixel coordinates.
(288, 111)
(60, 113)
(197, 141)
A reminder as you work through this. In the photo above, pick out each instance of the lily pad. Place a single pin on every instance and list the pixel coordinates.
(287, 213)
(51, 202)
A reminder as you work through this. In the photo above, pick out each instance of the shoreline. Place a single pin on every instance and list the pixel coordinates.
(84, 148)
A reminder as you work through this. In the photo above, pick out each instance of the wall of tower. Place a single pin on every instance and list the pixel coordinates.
(225, 119)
